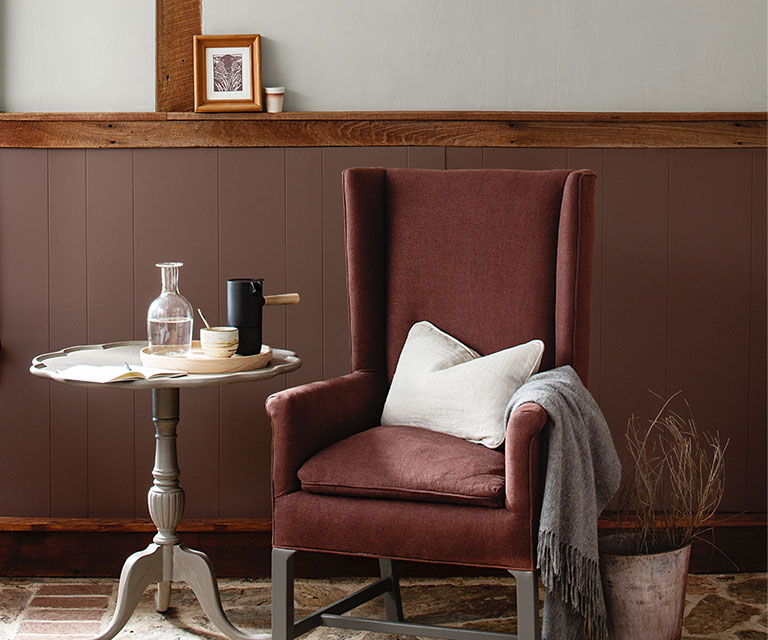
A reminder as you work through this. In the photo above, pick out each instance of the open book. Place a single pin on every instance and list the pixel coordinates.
(115, 373)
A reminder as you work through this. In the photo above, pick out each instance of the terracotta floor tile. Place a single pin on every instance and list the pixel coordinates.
(75, 590)
(64, 614)
(70, 602)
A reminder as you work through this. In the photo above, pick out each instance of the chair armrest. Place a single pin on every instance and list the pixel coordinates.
(311, 417)
(524, 461)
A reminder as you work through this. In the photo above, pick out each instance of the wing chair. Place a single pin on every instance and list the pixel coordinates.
(495, 258)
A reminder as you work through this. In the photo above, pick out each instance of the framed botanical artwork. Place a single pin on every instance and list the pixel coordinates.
(228, 73)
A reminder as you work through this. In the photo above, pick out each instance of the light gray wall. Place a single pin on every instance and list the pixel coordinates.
(77, 55)
(602, 55)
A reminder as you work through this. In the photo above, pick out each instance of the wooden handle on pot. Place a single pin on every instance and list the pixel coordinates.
(282, 298)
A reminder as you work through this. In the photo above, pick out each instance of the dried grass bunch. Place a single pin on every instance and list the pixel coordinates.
(673, 484)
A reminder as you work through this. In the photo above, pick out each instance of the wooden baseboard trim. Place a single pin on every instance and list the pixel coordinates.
(249, 525)
(124, 525)
(31, 547)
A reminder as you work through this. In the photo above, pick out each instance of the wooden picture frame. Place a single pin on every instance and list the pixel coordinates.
(227, 73)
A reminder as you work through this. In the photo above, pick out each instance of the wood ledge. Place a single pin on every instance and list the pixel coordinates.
(384, 128)
(441, 116)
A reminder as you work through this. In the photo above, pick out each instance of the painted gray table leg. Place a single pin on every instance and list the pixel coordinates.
(196, 570)
(139, 571)
(165, 559)
(163, 596)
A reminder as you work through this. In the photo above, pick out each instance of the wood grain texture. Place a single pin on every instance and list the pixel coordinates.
(24, 331)
(757, 445)
(68, 299)
(442, 116)
(268, 131)
(634, 286)
(708, 298)
(81, 116)
(606, 522)
(176, 22)
(10, 523)
(251, 245)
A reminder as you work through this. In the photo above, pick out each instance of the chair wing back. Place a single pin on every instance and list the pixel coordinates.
(493, 257)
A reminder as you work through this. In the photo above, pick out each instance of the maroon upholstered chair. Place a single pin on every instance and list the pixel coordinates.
(495, 258)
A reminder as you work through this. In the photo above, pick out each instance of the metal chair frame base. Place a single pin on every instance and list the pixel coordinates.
(284, 627)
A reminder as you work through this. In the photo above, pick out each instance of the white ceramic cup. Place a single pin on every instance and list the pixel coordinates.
(274, 99)
(219, 342)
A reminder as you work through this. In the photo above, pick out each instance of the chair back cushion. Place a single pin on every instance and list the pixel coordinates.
(443, 385)
(494, 258)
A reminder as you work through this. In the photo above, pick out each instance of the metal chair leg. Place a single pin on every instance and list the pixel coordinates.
(282, 594)
(392, 602)
(528, 626)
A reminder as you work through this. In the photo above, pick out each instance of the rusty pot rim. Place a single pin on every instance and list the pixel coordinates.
(615, 536)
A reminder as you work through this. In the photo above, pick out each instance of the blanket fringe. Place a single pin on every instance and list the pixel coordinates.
(575, 579)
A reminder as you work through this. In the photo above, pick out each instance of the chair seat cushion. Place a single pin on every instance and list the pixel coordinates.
(407, 463)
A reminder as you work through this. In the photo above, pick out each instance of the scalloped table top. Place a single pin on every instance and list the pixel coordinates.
(48, 365)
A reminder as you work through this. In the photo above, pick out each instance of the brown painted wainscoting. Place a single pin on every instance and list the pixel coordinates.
(679, 304)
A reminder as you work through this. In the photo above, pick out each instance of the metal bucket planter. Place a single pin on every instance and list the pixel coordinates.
(644, 594)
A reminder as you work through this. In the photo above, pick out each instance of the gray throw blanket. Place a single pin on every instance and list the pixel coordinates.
(583, 472)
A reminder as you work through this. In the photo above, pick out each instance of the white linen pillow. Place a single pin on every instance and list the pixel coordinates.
(443, 385)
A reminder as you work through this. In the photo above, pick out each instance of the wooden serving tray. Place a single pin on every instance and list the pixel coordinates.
(197, 362)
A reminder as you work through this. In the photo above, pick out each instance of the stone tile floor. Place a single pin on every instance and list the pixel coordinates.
(718, 607)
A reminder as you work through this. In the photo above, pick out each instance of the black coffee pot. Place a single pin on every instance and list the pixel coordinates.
(245, 300)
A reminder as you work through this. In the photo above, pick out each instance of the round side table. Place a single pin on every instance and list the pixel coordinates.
(165, 559)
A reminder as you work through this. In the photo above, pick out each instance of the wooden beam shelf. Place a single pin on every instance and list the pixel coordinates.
(385, 128)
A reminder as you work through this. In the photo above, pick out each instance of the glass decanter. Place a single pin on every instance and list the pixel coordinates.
(169, 319)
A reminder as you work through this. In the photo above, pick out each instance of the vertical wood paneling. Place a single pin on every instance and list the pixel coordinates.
(252, 244)
(175, 218)
(68, 274)
(463, 158)
(335, 307)
(534, 159)
(110, 298)
(426, 157)
(709, 269)
(67, 255)
(24, 325)
(304, 260)
(110, 245)
(634, 285)
(756, 451)
(593, 159)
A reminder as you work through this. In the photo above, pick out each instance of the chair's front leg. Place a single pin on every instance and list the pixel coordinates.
(527, 585)
(282, 594)
(392, 602)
